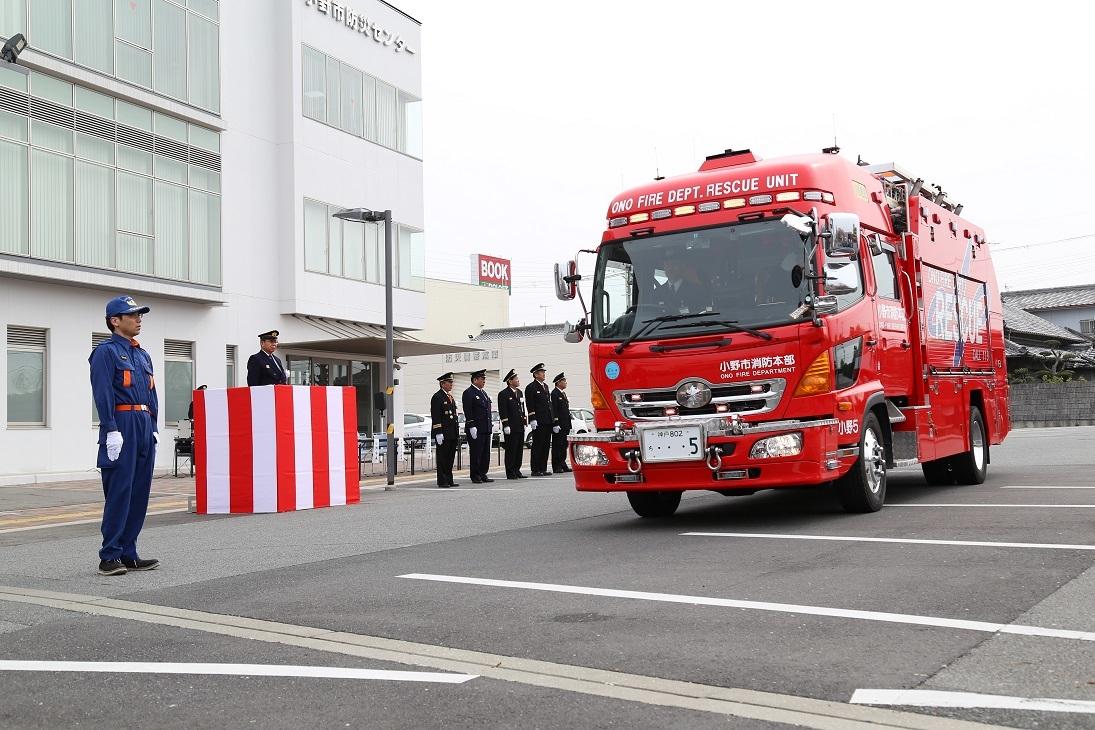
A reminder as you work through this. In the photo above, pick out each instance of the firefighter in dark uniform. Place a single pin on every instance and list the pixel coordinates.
(477, 426)
(123, 387)
(538, 404)
(264, 367)
(446, 429)
(560, 426)
(511, 409)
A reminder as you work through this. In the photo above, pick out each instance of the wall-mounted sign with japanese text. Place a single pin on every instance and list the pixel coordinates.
(491, 271)
(341, 13)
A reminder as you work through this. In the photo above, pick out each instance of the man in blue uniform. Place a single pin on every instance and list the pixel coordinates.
(561, 424)
(538, 404)
(446, 429)
(477, 425)
(124, 389)
(511, 408)
(264, 367)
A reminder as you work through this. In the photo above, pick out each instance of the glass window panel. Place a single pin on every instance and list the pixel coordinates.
(204, 138)
(95, 103)
(403, 259)
(374, 254)
(205, 237)
(204, 62)
(387, 132)
(205, 179)
(13, 17)
(13, 125)
(134, 116)
(411, 139)
(134, 253)
(354, 254)
(313, 68)
(50, 136)
(94, 40)
(51, 206)
(133, 21)
(12, 79)
(134, 64)
(351, 100)
(51, 26)
(178, 389)
(14, 199)
(334, 242)
(94, 148)
(134, 203)
(416, 279)
(26, 387)
(368, 104)
(333, 112)
(170, 169)
(169, 127)
(55, 90)
(171, 234)
(94, 215)
(205, 7)
(315, 236)
(131, 158)
(170, 56)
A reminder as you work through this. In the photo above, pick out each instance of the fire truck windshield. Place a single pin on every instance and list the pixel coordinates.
(741, 271)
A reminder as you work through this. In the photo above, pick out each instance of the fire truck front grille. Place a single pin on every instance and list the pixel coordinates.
(749, 406)
(756, 396)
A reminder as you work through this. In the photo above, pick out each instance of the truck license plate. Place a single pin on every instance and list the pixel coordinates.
(678, 443)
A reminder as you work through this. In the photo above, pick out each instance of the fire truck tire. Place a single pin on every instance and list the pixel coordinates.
(863, 488)
(938, 472)
(972, 466)
(654, 504)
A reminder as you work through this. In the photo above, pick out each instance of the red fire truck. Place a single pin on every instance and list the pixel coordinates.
(778, 323)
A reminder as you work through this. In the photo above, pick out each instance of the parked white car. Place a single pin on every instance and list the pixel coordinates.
(417, 425)
(581, 420)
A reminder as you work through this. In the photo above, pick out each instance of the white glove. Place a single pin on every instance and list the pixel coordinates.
(439, 438)
(156, 436)
(473, 432)
(532, 424)
(113, 445)
(507, 430)
(555, 429)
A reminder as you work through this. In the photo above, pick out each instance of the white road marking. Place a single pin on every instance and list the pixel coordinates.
(730, 701)
(848, 538)
(240, 670)
(939, 698)
(898, 618)
(82, 522)
(1044, 487)
(1048, 506)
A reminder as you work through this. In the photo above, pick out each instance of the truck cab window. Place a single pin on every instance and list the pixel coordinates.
(885, 275)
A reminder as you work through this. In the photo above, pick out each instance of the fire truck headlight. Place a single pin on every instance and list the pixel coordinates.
(586, 455)
(788, 444)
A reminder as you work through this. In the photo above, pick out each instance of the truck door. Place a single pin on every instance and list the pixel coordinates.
(892, 326)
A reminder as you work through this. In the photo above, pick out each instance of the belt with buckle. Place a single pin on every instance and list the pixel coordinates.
(127, 407)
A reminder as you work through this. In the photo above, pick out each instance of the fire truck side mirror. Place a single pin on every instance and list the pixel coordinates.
(842, 235)
(573, 333)
(566, 280)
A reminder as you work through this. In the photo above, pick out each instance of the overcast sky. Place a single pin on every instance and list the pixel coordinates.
(537, 115)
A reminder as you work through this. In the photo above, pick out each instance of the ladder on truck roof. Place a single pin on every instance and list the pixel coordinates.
(898, 186)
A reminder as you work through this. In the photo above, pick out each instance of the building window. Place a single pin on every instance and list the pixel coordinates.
(169, 46)
(230, 352)
(1087, 327)
(356, 250)
(178, 380)
(26, 376)
(345, 97)
(99, 182)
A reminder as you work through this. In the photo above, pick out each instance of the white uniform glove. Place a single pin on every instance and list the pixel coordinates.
(473, 432)
(507, 430)
(113, 445)
(439, 438)
(156, 436)
(555, 429)
(532, 424)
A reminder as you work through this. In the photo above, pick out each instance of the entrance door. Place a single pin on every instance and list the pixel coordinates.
(893, 326)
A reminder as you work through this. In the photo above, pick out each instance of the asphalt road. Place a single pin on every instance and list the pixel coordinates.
(568, 610)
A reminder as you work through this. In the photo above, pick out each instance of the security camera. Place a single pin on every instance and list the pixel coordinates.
(13, 47)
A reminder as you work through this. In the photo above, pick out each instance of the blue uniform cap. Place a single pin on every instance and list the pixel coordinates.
(123, 305)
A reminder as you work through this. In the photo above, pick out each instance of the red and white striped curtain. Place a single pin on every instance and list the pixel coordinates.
(275, 448)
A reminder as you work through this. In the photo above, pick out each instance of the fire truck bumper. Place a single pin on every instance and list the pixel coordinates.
(734, 455)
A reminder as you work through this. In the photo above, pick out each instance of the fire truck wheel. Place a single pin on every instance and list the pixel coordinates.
(938, 472)
(972, 466)
(863, 488)
(654, 504)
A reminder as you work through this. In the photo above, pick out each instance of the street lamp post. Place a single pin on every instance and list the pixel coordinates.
(364, 215)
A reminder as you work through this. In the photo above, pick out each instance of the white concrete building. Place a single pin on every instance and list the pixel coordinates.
(190, 153)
